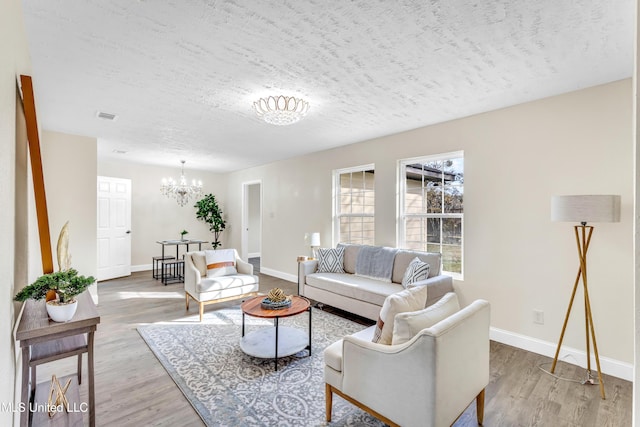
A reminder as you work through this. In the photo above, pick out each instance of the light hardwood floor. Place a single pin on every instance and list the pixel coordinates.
(133, 389)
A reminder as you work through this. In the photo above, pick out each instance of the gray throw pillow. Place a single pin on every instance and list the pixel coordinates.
(416, 271)
(330, 260)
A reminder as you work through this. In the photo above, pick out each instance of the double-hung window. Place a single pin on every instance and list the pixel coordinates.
(354, 205)
(431, 207)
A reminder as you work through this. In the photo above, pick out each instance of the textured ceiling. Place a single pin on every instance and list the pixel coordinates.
(181, 75)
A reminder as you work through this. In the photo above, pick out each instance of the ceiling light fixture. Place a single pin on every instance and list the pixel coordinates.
(181, 192)
(281, 110)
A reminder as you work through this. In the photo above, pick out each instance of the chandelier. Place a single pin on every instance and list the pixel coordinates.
(281, 110)
(181, 191)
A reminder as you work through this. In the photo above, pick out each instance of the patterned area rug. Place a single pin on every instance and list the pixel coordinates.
(228, 388)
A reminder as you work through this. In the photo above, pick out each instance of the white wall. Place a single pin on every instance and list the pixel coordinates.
(155, 217)
(69, 164)
(15, 60)
(515, 160)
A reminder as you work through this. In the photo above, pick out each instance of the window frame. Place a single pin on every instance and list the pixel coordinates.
(337, 215)
(402, 215)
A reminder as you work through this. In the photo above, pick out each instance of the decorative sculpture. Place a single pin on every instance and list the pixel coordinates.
(276, 299)
(64, 257)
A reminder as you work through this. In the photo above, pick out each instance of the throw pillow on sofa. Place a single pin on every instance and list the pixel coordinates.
(411, 299)
(416, 271)
(330, 260)
(220, 262)
(407, 325)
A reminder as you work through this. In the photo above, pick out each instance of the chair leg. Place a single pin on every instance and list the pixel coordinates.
(480, 407)
(33, 379)
(186, 297)
(201, 311)
(80, 369)
(329, 401)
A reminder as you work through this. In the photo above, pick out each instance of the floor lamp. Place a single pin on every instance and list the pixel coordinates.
(584, 209)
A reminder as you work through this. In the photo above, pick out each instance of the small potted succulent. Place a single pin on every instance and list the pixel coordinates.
(183, 233)
(60, 289)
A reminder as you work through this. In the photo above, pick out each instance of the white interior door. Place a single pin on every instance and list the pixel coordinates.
(114, 227)
(251, 220)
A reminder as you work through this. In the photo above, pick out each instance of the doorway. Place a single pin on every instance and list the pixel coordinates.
(252, 223)
(114, 227)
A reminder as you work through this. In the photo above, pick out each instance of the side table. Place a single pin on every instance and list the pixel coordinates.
(42, 340)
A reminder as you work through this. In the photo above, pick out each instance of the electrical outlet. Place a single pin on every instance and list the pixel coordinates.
(538, 317)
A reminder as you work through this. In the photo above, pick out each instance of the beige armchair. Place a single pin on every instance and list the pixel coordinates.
(206, 290)
(427, 381)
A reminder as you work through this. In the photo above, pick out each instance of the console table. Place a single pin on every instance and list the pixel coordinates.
(42, 340)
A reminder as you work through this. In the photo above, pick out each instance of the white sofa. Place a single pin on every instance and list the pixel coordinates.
(443, 369)
(362, 295)
(216, 289)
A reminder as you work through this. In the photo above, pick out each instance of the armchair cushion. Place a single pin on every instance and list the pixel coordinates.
(220, 262)
(330, 260)
(416, 271)
(407, 325)
(411, 299)
(225, 282)
(333, 353)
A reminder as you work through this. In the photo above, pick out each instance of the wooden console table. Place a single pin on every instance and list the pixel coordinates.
(42, 340)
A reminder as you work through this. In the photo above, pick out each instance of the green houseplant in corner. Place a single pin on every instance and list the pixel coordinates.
(209, 212)
(66, 284)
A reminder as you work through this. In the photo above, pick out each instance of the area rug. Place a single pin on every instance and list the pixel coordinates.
(228, 388)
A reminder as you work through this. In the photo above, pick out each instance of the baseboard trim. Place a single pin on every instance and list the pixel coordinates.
(571, 355)
(141, 267)
(279, 274)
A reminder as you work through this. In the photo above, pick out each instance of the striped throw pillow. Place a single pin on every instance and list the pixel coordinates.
(330, 260)
(416, 271)
(220, 262)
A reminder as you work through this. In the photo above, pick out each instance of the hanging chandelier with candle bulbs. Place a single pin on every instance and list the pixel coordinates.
(181, 191)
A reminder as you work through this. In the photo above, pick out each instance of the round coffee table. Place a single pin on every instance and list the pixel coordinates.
(276, 341)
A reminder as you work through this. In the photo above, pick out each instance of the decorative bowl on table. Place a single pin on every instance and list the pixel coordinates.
(276, 300)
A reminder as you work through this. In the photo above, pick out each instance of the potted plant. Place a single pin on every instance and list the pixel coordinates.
(182, 234)
(66, 285)
(210, 212)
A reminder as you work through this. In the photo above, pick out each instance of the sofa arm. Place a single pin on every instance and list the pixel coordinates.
(438, 287)
(192, 276)
(244, 267)
(304, 268)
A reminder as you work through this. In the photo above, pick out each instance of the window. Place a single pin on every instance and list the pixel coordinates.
(354, 205)
(431, 207)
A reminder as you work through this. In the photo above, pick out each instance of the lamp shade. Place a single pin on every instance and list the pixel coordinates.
(315, 240)
(586, 208)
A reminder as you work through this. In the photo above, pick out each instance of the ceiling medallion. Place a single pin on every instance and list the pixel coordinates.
(281, 110)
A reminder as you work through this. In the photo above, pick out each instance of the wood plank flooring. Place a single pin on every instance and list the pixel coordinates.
(133, 389)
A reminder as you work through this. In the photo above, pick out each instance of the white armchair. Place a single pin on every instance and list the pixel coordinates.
(427, 381)
(216, 289)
